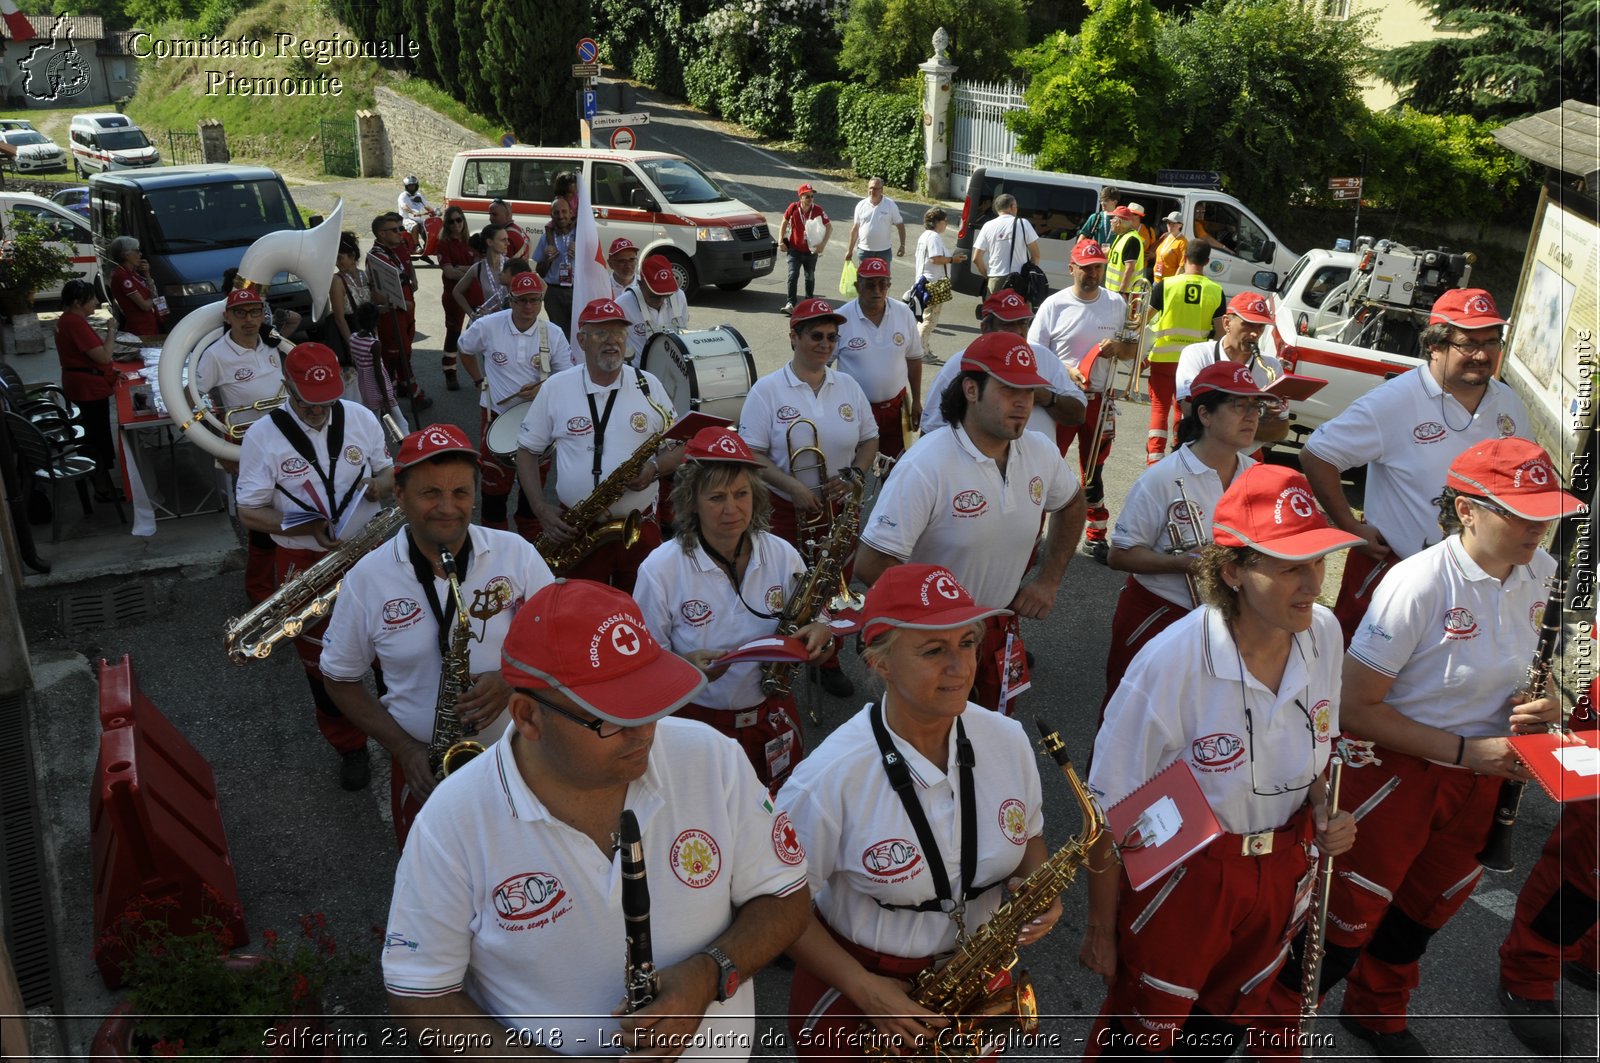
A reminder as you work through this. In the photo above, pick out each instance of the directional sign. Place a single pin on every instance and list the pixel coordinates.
(1346, 193)
(588, 50)
(1189, 178)
(622, 139)
(1344, 182)
(591, 104)
(585, 70)
(612, 121)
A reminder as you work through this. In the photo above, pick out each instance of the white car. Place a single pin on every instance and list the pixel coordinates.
(69, 226)
(36, 153)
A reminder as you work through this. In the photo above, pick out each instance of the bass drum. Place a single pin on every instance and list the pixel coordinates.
(705, 371)
(502, 435)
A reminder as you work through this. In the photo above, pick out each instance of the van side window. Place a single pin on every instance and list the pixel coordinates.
(486, 178)
(614, 185)
(105, 212)
(535, 180)
(1056, 212)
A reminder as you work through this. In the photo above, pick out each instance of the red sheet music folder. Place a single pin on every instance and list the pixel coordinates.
(1568, 770)
(1293, 388)
(1162, 824)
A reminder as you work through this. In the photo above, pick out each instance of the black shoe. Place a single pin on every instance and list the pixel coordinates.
(1576, 973)
(1386, 1046)
(355, 769)
(451, 383)
(1536, 1023)
(835, 682)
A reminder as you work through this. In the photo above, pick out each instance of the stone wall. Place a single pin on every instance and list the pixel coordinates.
(421, 141)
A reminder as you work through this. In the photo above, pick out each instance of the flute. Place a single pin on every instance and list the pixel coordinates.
(640, 975)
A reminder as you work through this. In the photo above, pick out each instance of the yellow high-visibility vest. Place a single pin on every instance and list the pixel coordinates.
(1189, 302)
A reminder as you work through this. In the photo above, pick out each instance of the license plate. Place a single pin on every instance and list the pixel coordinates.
(763, 263)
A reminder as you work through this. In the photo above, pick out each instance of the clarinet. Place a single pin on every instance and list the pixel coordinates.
(640, 976)
(1316, 943)
(1496, 855)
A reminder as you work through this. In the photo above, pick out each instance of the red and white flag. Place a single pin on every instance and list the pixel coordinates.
(17, 25)
(591, 277)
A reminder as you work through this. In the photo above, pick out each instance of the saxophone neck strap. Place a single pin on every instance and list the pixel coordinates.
(297, 438)
(444, 613)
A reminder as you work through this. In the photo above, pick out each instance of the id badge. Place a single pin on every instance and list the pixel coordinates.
(160, 303)
(564, 276)
(1012, 664)
(780, 754)
(1302, 902)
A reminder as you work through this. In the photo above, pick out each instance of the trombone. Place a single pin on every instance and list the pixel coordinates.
(809, 527)
(1132, 331)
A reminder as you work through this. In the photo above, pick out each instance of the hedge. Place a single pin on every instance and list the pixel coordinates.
(816, 116)
(883, 134)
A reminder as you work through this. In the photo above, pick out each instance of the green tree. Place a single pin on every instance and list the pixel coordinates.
(1094, 102)
(1512, 57)
(1431, 168)
(885, 40)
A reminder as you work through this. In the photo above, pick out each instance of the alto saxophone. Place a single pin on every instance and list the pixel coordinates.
(449, 748)
(960, 989)
(308, 597)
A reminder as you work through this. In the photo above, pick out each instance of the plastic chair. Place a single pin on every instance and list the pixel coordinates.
(43, 404)
(53, 464)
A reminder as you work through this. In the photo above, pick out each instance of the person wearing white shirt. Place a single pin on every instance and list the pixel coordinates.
(655, 304)
(1406, 431)
(874, 216)
(623, 259)
(1244, 693)
(1004, 243)
(972, 497)
(507, 912)
(415, 211)
(1245, 319)
(879, 349)
(397, 608)
(933, 268)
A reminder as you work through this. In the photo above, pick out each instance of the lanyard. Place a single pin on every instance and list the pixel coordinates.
(600, 421)
(302, 444)
(444, 615)
(731, 571)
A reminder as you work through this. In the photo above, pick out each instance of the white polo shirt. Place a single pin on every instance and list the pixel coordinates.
(876, 355)
(496, 897)
(513, 359)
(1456, 640)
(1049, 366)
(860, 845)
(875, 224)
(1142, 520)
(947, 504)
(689, 603)
(383, 613)
(560, 414)
(241, 376)
(1184, 697)
(645, 322)
(1072, 328)
(267, 461)
(1264, 368)
(838, 409)
(1407, 431)
(1004, 253)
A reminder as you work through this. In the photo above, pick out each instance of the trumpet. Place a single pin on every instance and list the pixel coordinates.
(808, 526)
(1132, 331)
(1183, 534)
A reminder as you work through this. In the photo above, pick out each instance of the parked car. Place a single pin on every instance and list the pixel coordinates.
(8, 124)
(103, 142)
(75, 198)
(67, 226)
(36, 153)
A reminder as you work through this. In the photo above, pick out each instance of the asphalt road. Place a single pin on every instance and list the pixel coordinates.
(300, 844)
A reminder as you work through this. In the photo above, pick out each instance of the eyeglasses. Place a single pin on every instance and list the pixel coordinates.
(527, 300)
(1250, 737)
(874, 285)
(602, 728)
(1244, 407)
(822, 337)
(248, 311)
(1479, 346)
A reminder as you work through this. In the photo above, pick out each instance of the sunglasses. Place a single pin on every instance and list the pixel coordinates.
(822, 337)
(602, 728)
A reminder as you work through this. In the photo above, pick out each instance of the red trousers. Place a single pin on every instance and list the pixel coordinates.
(260, 571)
(498, 478)
(1094, 485)
(1556, 910)
(769, 734)
(1141, 615)
(615, 564)
(1361, 577)
(891, 425)
(341, 734)
(395, 331)
(1164, 410)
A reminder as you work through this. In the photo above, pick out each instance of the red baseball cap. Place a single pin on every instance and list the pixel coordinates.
(812, 310)
(1233, 378)
(1125, 213)
(1007, 358)
(1251, 307)
(589, 642)
(1270, 508)
(872, 267)
(243, 296)
(601, 310)
(620, 244)
(1465, 308)
(804, 190)
(919, 597)
(1007, 305)
(313, 369)
(1088, 253)
(719, 443)
(658, 275)
(1515, 474)
(529, 283)
(430, 442)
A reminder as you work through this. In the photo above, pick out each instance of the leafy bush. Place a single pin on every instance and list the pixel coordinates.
(816, 116)
(885, 40)
(883, 135)
(1440, 168)
(708, 83)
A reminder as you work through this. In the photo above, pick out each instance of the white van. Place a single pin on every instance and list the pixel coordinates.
(68, 226)
(109, 141)
(662, 202)
(1058, 203)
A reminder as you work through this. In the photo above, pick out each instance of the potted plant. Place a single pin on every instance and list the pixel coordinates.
(32, 258)
(190, 996)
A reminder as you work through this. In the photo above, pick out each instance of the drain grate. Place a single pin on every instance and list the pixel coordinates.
(126, 603)
(29, 932)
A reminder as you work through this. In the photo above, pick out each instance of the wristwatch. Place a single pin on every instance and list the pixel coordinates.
(727, 973)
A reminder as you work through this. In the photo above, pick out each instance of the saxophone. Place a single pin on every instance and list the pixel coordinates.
(449, 749)
(306, 599)
(960, 989)
(825, 577)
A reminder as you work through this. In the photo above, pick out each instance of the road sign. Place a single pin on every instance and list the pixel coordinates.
(622, 139)
(612, 121)
(1346, 193)
(591, 104)
(588, 50)
(507, 139)
(585, 70)
(1336, 183)
(1189, 178)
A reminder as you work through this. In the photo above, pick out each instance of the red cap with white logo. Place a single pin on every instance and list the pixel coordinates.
(589, 642)
(1007, 305)
(600, 310)
(1088, 253)
(313, 369)
(620, 244)
(430, 442)
(1270, 509)
(1250, 307)
(658, 275)
(244, 297)
(919, 597)
(872, 267)
(814, 310)
(1231, 377)
(1007, 358)
(1516, 475)
(529, 283)
(719, 443)
(1465, 308)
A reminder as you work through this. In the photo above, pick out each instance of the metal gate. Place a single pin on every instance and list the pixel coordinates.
(183, 148)
(339, 155)
(979, 136)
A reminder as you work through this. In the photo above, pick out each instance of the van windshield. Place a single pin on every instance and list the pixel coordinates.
(122, 139)
(219, 215)
(681, 181)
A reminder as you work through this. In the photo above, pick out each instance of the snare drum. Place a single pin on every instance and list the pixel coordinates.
(501, 438)
(709, 370)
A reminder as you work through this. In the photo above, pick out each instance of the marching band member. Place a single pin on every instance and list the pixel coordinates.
(519, 351)
(1245, 319)
(1056, 406)
(378, 616)
(316, 454)
(654, 303)
(722, 581)
(481, 290)
(1226, 410)
(625, 406)
(1406, 431)
(1429, 679)
(1245, 690)
(623, 258)
(879, 349)
(888, 906)
(506, 909)
(972, 497)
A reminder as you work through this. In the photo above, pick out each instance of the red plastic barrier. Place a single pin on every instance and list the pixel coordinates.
(154, 824)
